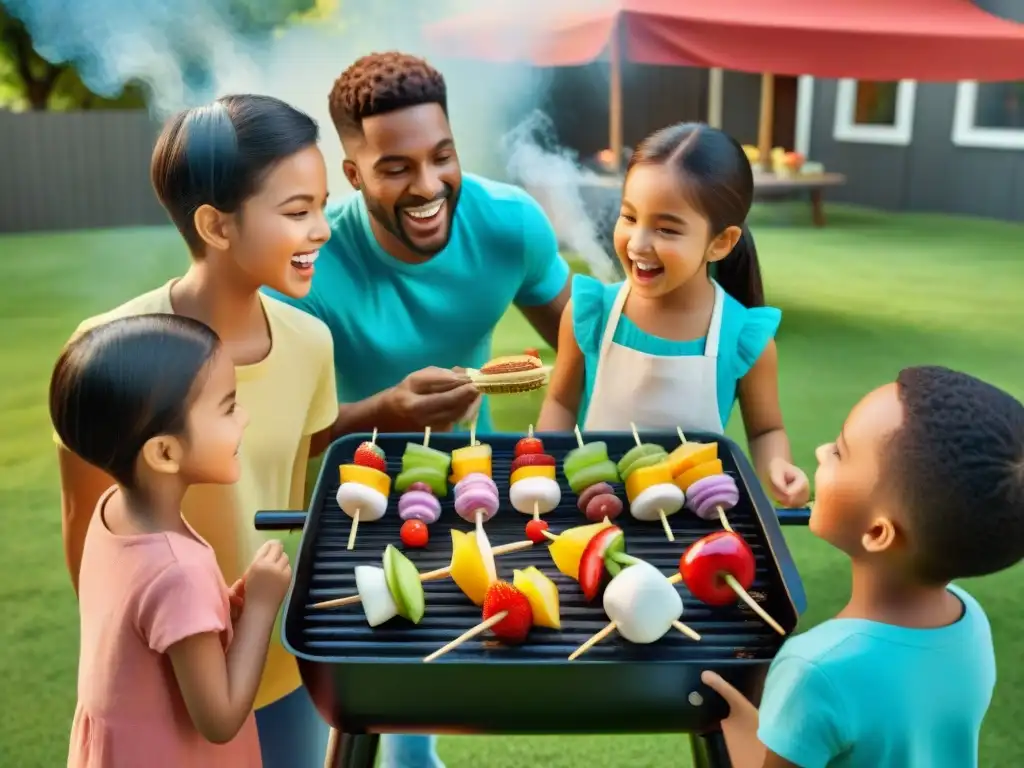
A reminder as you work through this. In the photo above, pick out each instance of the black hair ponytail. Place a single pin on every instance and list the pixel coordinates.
(739, 273)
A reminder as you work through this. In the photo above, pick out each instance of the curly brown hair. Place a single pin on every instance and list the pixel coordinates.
(383, 82)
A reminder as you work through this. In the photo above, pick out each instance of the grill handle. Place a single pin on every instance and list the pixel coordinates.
(279, 520)
(797, 516)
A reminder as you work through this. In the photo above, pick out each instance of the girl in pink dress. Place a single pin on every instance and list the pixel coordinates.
(170, 657)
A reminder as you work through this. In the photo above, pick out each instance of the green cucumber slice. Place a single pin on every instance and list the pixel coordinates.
(644, 461)
(646, 449)
(602, 472)
(417, 456)
(404, 585)
(588, 455)
(438, 482)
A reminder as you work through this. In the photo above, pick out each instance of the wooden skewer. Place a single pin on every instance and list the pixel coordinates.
(352, 532)
(536, 510)
(529, 432)
(426, 436)
(373, 440)
(579, 437)
(686, 630)
(752, 603)
(682, 437)
(594, 640)
(724, 520)
(472, 431)
(437, 573)
(661, 513)
(469, 634)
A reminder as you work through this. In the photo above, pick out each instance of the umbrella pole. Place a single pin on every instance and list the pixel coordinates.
(615, 100)
(764, 128)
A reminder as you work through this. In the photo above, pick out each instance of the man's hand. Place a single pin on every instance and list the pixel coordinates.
(432, 397)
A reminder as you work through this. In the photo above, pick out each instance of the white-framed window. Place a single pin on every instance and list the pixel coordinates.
(989, 115)
(875, 112)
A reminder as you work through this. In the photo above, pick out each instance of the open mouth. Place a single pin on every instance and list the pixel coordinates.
(646, 271)
(303, 262)
(423, 219)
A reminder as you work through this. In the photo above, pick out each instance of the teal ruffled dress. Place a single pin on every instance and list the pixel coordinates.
(745, 334)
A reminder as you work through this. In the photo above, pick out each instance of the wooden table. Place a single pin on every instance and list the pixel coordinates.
(770, 185)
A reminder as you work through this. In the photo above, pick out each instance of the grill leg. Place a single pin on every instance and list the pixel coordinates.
(348, 750)
(709, 750)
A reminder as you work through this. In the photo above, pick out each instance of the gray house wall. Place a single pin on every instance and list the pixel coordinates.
(932, 174)
(74, 170)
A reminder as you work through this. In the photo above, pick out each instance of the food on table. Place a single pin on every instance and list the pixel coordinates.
(599, 502)
(414, 534)
(472, 568)
(422, 481)
(642, 603)
(473, 459)
(506, 612)
(536, 530)
(475, 494)
(542, 594)
(711, 562)
(567, 549)
(690, 454)
(709, 497)
(533, 489)
(643, 455)
(503, 597)
(393, 590)
(510, 374)
(364, 489)
(698, 472)
(719, 569)
(603, 556)
(651, 492)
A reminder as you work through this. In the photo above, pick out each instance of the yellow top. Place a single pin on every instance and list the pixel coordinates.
(289, 396)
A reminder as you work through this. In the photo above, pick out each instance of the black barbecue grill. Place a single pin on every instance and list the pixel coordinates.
(368, 681)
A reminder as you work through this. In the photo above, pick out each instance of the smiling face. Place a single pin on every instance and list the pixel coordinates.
(278, 231)
(661, 239)
(405, 164)
(850, 507)
(214, 426)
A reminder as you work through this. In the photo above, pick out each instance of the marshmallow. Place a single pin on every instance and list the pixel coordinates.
(356, 497)
(372, 586)
(530, 490)
(642, 603)
(663, 497)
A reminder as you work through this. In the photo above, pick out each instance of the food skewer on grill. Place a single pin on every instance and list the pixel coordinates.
(718, 569)
(652, 494)
(643, 606)
(590, 474)
(697, 471)
(392, 590)
(465, 565)
(422, 482)
(533, 489)
(506, 612)
(365, 485)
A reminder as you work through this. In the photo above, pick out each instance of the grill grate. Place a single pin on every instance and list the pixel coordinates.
(326, 570)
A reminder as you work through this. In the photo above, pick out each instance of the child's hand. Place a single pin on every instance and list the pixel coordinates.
(236, 599)
(267, 579)
(740, 727)
(789, 483)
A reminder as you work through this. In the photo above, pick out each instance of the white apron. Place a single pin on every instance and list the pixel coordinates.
(655, 392)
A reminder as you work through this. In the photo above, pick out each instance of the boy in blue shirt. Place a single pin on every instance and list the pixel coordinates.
(924, 485)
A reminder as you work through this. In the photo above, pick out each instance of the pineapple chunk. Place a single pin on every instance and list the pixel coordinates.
(519, 474)
(641, 479)
(567, 549)
(699, 472)
(689, 455)
(542, 594)
(368, 476)
(468, 570)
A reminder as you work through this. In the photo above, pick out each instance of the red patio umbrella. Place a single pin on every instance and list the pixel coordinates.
(930, 40)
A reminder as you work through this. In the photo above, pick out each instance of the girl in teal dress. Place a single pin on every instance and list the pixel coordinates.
(687, 333)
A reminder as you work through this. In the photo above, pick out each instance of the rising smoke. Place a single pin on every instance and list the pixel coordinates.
(160, 43)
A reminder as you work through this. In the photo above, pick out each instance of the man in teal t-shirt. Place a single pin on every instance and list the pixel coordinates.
(423, 263)
(419, 269)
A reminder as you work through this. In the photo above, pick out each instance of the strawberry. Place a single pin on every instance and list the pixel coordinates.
(532, 460)
(502, 596)
(529, 445)
(370, 455)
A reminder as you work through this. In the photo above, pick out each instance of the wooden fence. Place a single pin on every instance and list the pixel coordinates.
(76, 170)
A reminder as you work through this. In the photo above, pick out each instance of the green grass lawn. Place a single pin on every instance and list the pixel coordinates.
(862, 298)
